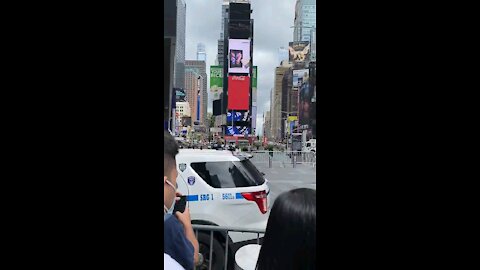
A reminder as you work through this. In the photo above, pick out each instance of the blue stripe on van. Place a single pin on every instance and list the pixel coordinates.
(238, 196)
(192, 198)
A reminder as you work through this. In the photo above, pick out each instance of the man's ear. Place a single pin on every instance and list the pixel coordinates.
(164, 180)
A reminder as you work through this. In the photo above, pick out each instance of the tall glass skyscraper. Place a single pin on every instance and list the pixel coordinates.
(220, 52)
(179, 73)
(305, 19)
(201, 54)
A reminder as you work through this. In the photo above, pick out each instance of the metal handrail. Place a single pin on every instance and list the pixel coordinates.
(224, 229)
(211, 229)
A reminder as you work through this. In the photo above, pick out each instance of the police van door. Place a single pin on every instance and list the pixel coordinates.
(182, 182)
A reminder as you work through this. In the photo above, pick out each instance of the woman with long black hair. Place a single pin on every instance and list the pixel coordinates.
(289, 241)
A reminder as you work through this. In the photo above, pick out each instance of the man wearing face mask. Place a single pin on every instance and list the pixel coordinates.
(179, 239)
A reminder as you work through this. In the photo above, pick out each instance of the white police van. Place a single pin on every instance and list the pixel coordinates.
(223, 189)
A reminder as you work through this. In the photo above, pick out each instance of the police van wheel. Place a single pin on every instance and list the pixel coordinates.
(218, 253)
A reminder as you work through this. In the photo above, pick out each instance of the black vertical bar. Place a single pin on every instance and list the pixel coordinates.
(211, 251)
(226, 251)
(196, 235)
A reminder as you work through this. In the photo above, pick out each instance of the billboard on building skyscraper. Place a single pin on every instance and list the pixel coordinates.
(299, 51)
(216, 81)
(305, 95)
(254, 85)
(238, 92)
(300, 76)
(239, 56)
(180, 95)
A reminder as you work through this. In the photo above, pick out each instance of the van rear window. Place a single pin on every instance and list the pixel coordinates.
(229, 174)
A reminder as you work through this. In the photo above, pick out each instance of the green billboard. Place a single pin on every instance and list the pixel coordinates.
(254, 81)
(216, 81)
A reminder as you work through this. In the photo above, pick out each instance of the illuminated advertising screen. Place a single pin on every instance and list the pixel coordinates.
(238, 116)
(239, 56)
(237, 130)
(299, 77)
(239, 10)
(305, 103)
(239, 23)
(216, 81)
(299, 51)
(180, 95)
(238, 93)
(254, 85)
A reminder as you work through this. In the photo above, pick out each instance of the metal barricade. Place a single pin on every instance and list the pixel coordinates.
(226, 230)
(283, 158)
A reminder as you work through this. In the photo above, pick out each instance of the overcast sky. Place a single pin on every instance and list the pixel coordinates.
(272, 22)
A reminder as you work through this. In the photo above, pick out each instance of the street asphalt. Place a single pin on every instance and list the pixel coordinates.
(282, 179)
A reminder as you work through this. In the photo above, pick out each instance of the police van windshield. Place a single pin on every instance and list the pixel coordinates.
(229, 174)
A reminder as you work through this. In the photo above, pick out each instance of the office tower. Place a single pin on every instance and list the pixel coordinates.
(313, 45)
(224, 19)
(179, 75)
(183, 109)
(196, 88)
(238, 71)
(266, 125)
(305, 19)
(169, 38)
(278, 103)
(201, 54)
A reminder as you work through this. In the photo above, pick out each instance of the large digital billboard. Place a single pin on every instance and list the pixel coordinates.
(239, 23)
(299, 77)
(299, 51)
(180, 95)
(216, 81)
(239, 10)
(217, 107)
(238, 116)
(239, 56)
(305, 95)
(238, 93)
(237, 130)
(292, 122)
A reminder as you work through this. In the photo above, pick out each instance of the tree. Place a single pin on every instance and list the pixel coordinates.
(211, 119)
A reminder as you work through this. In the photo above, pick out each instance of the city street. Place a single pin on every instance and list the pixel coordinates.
(218, 96)
(284, 179)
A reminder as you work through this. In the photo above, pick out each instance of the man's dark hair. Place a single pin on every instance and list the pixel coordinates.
(170, 150)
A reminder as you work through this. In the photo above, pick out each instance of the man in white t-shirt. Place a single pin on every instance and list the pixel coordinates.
(170, 264)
